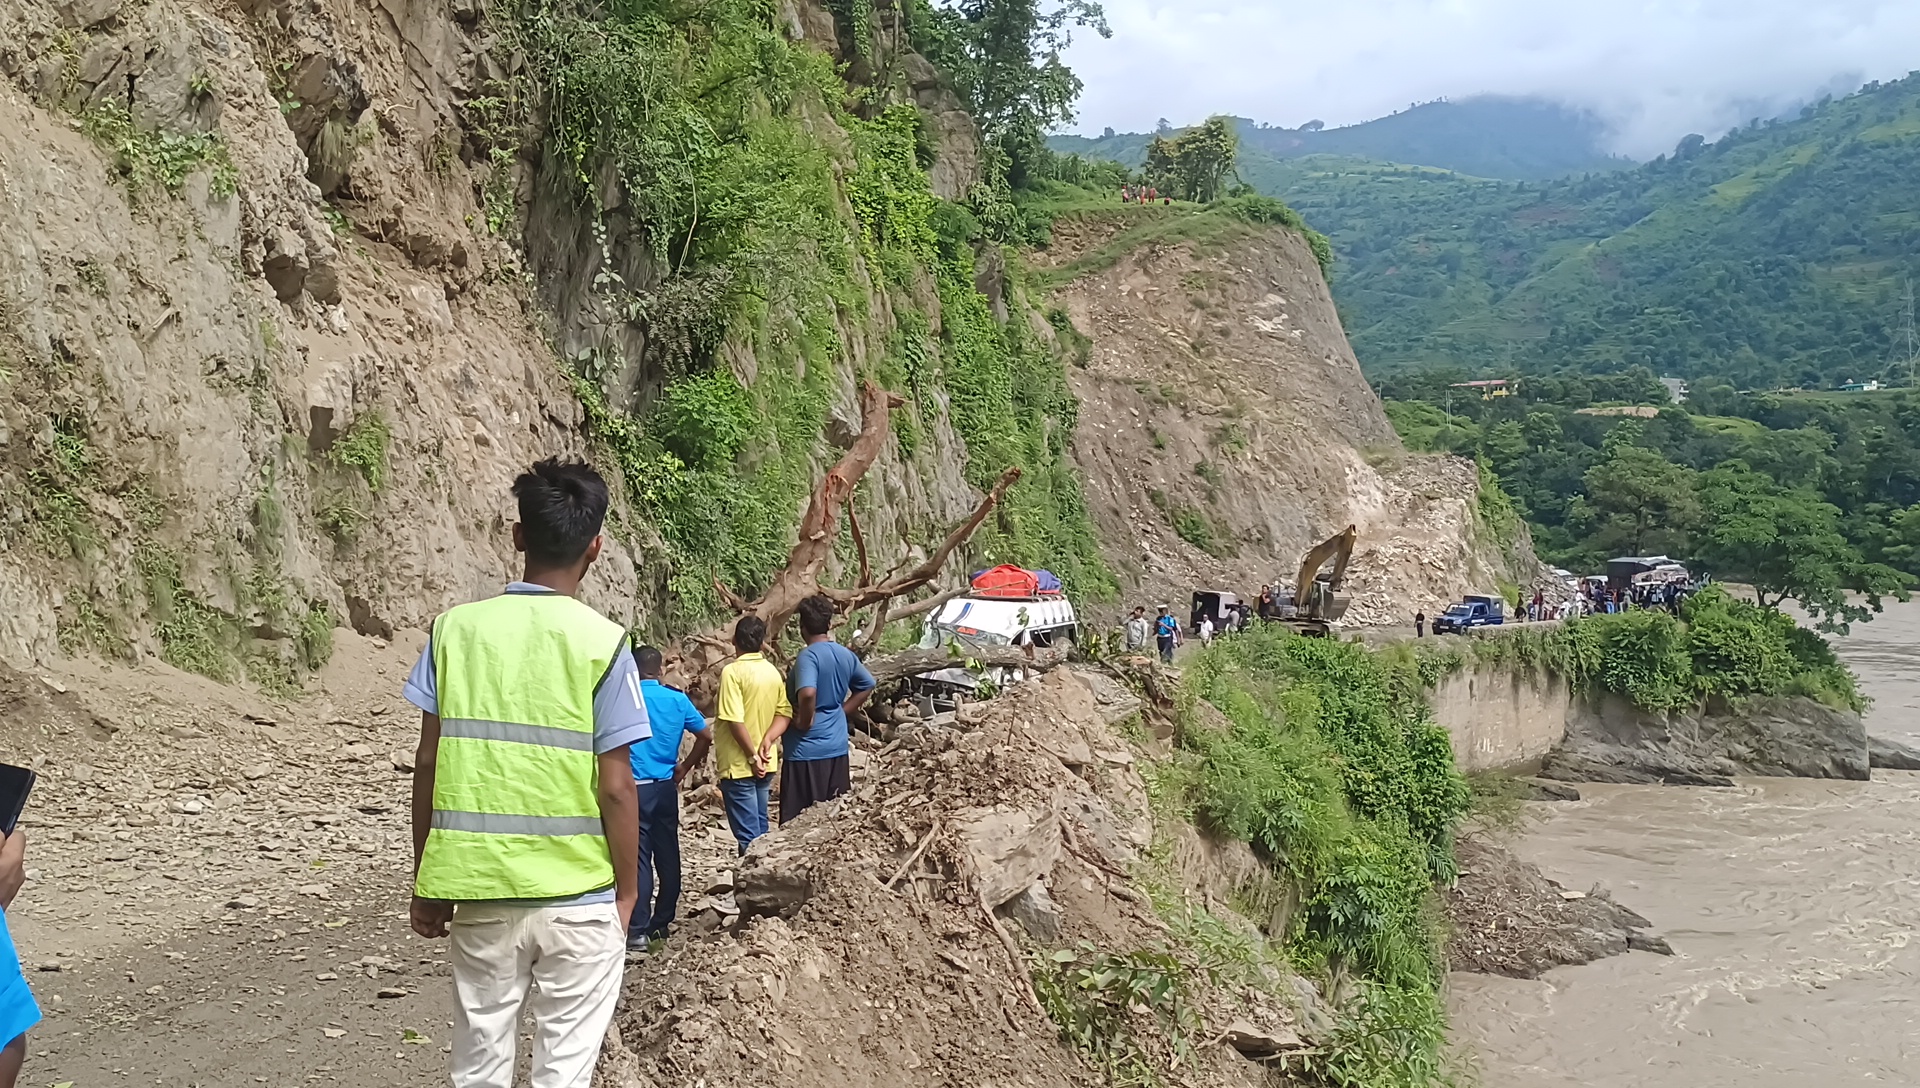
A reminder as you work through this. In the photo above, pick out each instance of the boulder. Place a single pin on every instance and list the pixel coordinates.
(1036, 912)
(1541, 790)
(1611, 740)
(86, 14)
(776, 876)
(285, 266)
(1891, 755)
(1011, 851)
(1262, 1044)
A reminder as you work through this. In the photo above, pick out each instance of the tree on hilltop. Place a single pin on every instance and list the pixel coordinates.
(1195, 163)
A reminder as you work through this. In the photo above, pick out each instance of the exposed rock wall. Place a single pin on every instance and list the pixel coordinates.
(282, 378)
(1500, 719)
(1225, 427)
(1611, 740)
(1507, 719)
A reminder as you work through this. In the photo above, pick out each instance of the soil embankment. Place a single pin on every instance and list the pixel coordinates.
(1225, 427)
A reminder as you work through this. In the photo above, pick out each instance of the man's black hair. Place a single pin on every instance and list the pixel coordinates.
(649, 661)
(816, 615)
(749, 634)
(562, 506)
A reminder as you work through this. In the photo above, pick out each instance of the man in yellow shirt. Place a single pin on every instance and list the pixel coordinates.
(753, 712)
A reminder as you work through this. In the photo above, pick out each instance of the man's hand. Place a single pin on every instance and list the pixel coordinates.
(760, 762)
(13, 866)
(624, 903)
(430, 916)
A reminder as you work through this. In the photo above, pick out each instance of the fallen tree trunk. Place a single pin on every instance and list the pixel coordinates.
(899, 666)
(703, 654)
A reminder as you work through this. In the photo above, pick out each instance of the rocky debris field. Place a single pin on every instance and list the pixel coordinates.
(888, 938)
(1507, 918)
(218, 884)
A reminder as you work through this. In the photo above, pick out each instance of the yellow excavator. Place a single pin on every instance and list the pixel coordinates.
(1316, 604)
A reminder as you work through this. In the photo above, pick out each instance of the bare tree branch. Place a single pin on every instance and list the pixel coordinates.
(929, 569)
(860, 545)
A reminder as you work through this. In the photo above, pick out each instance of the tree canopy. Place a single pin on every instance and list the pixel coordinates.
(1194, 165)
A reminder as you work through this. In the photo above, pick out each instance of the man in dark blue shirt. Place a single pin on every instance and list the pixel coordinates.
(657, 773)
(829, 683)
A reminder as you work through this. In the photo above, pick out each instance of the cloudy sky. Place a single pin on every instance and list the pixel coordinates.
(1655, 69)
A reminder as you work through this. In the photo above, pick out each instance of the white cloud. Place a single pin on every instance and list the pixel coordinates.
(1655, 70)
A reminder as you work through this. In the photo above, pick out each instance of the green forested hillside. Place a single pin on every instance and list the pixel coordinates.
(1778, 255)
(1493, 137)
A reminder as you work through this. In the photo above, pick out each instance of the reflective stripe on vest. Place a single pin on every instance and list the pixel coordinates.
(516, 805)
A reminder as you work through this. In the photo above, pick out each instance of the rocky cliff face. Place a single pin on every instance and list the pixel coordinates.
(292, 289)
(1225, 427)
(280, 323)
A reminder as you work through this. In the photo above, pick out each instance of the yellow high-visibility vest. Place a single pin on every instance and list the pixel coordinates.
(516, 804)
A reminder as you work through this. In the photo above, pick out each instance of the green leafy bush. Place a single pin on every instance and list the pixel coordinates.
(1332, 765)
(364, 449)
(157, 159)
(1720, 647)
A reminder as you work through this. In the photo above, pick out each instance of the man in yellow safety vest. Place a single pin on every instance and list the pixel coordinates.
(525, 822)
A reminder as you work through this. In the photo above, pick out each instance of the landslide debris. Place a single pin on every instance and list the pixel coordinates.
(912, 932)
(1225, 426)
(1508, 918)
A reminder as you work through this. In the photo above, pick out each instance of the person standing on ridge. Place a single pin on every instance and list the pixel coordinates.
(1167, 630)
(1419, 625)
(658, 771)
(829, 685)
(526, 829)
(753, 712)
(1137, 629)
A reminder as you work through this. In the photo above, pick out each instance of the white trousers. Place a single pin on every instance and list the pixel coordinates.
(572, 956)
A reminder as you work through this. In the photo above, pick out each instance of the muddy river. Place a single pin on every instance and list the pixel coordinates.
(1793, 906)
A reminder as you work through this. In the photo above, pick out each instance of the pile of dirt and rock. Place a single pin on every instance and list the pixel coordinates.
(1507, 918)
(891, 937)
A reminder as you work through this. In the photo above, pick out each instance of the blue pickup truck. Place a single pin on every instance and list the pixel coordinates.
(1475, 610)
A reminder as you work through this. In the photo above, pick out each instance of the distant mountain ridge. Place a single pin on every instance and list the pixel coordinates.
(1512, 139)
(1783, 253)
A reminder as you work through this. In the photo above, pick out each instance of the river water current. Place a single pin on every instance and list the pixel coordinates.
(1793, 905)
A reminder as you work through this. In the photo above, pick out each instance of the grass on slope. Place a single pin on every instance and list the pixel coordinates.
(1203, 226)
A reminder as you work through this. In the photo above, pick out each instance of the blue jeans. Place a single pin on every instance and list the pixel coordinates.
(659, 853)
(746, 800)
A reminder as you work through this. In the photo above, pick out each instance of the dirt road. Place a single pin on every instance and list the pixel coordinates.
(218, 882)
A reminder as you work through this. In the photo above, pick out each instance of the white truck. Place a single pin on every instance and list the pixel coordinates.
(978, 621)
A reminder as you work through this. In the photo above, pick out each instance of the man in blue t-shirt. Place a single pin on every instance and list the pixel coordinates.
(658, 771)
(1166, 630)
(829, 683)
(18, 1011)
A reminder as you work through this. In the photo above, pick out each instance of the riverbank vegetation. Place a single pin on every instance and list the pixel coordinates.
(1324, 756)
(1717, 647)
(1808, 499)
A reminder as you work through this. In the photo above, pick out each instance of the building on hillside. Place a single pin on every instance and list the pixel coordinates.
(1861, 387)
(1489, 389)
(1676, 389)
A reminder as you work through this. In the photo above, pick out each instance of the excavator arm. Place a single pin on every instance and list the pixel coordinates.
(1339, 550)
